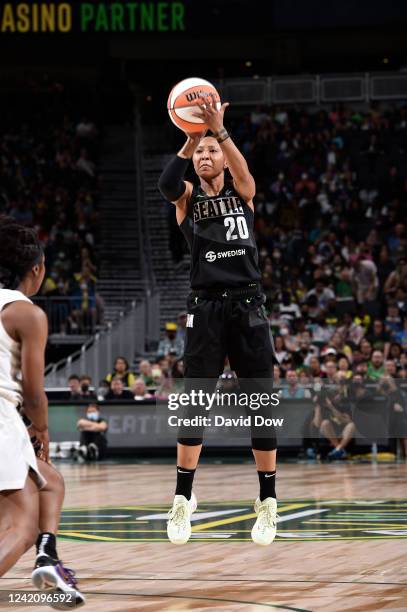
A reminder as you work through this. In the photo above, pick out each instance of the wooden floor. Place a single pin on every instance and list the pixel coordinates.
(354, 560)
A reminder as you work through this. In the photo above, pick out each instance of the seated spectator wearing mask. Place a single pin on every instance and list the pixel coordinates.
(86, 392)
(93, 430)
(117, 391)
(122, 370)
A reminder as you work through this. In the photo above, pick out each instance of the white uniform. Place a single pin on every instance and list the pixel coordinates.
(17, 455)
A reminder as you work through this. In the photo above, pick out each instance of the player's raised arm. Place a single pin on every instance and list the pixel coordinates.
(171, 183)
(213, 118)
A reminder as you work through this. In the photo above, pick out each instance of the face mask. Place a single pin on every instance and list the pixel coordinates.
(93, 416)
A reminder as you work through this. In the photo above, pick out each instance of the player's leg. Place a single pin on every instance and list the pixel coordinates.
(19, 512)
(204, 357)
(251, 351)
(49, 572)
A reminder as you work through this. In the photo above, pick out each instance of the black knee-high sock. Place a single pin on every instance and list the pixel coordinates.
(47, 545)
(267, 484)
(185, 479)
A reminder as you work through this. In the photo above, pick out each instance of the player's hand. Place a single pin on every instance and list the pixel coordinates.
(210, 114)
(191, 144)
(40, 442)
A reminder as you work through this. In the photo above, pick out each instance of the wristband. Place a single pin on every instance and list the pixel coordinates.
(222, 135)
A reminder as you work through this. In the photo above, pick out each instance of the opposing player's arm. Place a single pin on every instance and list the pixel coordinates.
(28, 325)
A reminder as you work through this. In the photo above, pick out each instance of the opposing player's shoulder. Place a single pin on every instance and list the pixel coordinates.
(22, 319)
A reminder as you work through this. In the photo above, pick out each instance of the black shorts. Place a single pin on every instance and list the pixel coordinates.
(233, 324)
(230, 323)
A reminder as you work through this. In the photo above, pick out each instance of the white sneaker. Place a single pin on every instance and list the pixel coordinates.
(179, 519)
(265, 527)
(55, 576)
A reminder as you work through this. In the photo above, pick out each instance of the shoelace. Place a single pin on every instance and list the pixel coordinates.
(67, 574)
(178, 515)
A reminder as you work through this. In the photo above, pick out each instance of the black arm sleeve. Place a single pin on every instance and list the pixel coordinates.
(171, 182)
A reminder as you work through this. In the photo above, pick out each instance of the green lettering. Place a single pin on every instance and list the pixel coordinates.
(178, 15)
(117, 12)
(131, 8)
(102, 22)
(162, 8)
(87, 14)
(147, 16)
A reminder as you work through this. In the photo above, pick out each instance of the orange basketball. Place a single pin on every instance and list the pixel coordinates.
(183, 99)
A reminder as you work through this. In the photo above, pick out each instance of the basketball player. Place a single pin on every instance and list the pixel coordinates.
(29, 503)
(225, 309)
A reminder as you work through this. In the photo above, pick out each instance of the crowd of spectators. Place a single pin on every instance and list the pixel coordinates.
(49, 180)
(330, 226)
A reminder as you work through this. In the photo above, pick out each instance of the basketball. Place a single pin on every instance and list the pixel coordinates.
(183, 99)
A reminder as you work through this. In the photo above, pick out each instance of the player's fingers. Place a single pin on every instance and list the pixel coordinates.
(224, 106)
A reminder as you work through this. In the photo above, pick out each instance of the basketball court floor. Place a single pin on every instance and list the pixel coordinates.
(341, 543)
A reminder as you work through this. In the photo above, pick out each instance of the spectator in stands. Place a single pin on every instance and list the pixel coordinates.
(366, 349)
(287, 309)
(378, 337)
(375, 369)
(334, 415)
(344, 366)
(398, 278)
(117, 391)
(276, 376)
(292, 390)
(396, 403)
(121, 369)
(322, 293)
(401, 336)
(365, 279)
(315, 367)
(390, 368)
(350, 330)
(103, 389)
(170, 341)
(74, 385)
(279, 345)
(146, 372)
(86, 392)
(84, 314)
(139, 390)
(181, 328)
(393, 320)
(330, 369)
(93, 428)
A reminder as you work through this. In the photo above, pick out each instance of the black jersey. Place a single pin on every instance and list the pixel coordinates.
(219, 231)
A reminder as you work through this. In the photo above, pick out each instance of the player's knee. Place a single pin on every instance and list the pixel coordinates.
(264, 444)
(59, 482)
(190, 441)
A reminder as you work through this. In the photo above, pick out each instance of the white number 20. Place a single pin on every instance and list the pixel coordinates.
(238, 223)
